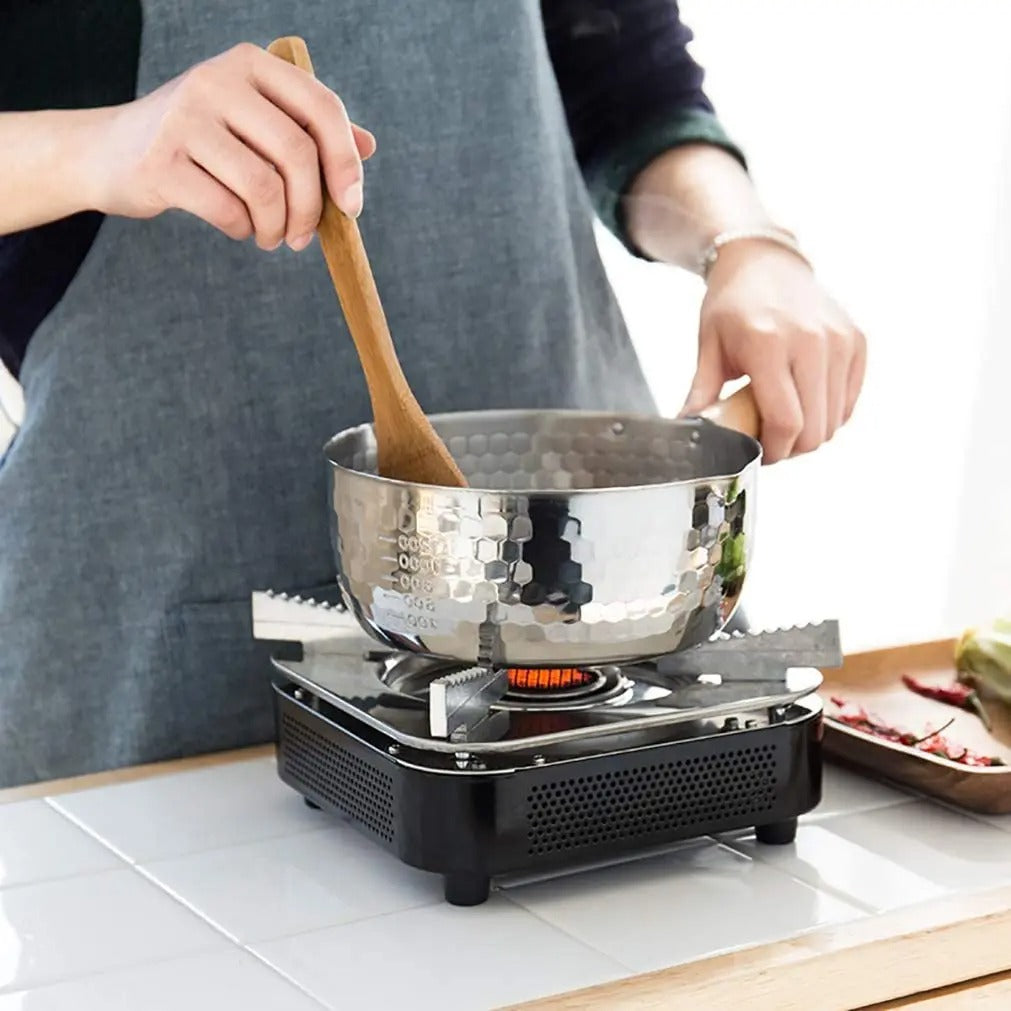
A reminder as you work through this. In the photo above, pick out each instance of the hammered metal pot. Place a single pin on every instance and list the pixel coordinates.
(582, 538)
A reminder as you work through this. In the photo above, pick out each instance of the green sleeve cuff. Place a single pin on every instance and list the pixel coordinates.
(609, 178)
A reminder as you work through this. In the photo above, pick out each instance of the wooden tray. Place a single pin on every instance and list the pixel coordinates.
(874, 680)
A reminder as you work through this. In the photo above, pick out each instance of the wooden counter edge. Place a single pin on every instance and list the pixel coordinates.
(55, 787)
(839, 968)
(989, 992)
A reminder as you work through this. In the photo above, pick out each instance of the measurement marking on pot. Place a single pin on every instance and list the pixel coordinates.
(410, 614)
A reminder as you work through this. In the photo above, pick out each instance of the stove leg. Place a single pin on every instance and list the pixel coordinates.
(465, 889)
(780, 833)
(309, 803)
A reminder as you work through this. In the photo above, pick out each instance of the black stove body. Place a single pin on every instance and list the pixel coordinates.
(462, 773)
(472, 817)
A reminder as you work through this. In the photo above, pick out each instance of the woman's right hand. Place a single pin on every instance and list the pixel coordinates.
(238, 141)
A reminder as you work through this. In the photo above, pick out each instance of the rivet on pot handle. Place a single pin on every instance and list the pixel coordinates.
(738, 412)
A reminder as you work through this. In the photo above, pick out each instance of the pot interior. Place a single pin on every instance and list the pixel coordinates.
(555, 450)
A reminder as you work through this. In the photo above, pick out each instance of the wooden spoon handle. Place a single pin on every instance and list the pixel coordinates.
(408, 446)
(350, 271)
(738, 412)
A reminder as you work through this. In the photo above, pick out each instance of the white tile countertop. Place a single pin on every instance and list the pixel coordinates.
(217, 888)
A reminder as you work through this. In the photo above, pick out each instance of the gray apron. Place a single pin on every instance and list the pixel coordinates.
(178, 397)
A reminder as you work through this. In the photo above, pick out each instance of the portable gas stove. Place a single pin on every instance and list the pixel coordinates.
(474, 773)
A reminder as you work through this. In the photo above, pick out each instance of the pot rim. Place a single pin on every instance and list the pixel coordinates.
(699, 424)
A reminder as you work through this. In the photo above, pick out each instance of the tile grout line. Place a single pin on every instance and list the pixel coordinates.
(141, 870)
(88, 830)
(331, 926)
(242, 946)
(834, 893)
(54, 804)
(143, 873)
(924, 800)
(148, 963)
(501, 893)
(814, 818)
(910, 799)
(977, 816)
(638, 971)
(516, 881)
(859, 908)
(293, 982)
(288, 978)
(829, 890)
(59, 878)
(572, 937)
(212, 850)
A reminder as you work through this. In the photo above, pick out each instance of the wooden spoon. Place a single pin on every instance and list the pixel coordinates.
(408, 447)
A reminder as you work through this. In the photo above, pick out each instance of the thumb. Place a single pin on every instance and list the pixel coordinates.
(709, 377)
(365, 141)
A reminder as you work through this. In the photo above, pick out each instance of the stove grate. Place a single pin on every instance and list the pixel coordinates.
(343, 779)
(643, 800)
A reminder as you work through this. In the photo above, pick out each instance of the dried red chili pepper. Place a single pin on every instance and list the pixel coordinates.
(958, 695)
(932, 742)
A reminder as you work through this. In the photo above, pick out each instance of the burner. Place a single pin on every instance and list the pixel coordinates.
(562, 688)
(537, 681)
(531, 689)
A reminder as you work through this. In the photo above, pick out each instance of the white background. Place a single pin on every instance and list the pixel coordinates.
(879, 131)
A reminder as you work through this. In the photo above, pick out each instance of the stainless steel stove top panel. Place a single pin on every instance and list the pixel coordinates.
(354, 684)
(532, 754)
(436, 706)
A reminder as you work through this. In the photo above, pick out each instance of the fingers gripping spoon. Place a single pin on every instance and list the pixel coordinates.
(408, 447)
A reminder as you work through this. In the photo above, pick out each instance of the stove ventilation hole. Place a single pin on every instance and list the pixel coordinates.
(348, 782)
(690, 794)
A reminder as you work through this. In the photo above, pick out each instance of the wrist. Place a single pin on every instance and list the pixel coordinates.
(743, 243)
(82, 165)
(57, 161)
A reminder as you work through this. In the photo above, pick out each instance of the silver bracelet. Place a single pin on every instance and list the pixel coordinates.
(780, 236)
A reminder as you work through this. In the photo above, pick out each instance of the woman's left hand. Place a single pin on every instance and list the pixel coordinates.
(766, 317)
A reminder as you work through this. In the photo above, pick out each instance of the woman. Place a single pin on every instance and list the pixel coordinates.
(180, 380)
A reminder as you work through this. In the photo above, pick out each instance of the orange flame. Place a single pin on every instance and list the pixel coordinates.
(548, 678)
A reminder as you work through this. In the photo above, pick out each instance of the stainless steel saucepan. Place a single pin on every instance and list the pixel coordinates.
(582, 538)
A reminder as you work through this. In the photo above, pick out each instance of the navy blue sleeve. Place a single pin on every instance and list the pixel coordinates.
(631, 91)
(56, 54)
